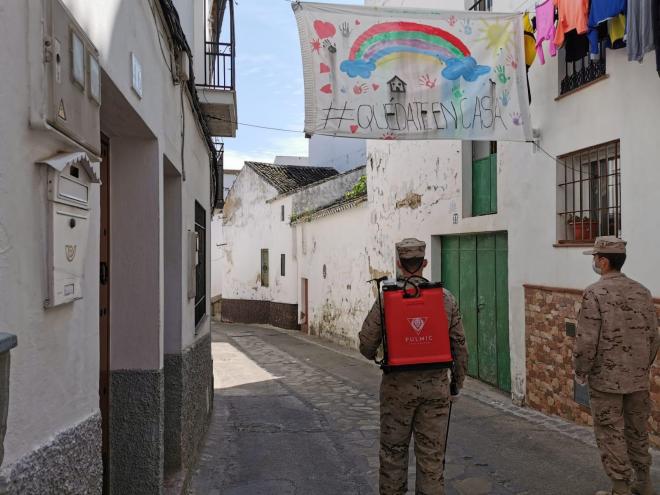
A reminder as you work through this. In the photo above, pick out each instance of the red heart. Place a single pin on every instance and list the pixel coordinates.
(375, 86)
(354, 129)
(324, 29)
(324, 68)
(327, 88)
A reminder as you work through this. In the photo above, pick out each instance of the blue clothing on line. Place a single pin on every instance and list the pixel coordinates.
(600, 11)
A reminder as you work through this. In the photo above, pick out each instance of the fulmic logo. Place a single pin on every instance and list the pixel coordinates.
(417, 324)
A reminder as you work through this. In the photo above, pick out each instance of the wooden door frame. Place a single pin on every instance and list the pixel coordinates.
(304, 324)
(104, 307)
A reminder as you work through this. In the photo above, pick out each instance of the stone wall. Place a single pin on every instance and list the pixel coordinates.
(326, 192)
(265, 312)
(550, 357)
(136, 431)
(70, 463)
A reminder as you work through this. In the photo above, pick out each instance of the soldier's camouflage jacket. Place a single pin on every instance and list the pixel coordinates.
(617, 335)
(371, 338)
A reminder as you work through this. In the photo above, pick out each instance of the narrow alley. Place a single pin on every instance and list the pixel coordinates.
(297, 415)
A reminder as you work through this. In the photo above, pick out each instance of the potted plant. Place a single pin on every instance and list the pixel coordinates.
(584, 228)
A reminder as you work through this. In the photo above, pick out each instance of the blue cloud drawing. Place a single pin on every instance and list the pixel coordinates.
(358, 68)
(466, 67)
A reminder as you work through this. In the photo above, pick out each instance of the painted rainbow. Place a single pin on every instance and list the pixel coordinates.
(388, 41)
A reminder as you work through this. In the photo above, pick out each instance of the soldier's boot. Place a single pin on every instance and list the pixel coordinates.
(618, 488)
(642, 484)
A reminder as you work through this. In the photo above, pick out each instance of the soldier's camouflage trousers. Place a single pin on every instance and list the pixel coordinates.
(621, 428)
(413, 402)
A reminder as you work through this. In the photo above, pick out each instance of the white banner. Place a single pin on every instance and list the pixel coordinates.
(398, 73)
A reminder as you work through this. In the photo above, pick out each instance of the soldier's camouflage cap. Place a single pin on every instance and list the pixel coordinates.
(608, 245)
(410, 248)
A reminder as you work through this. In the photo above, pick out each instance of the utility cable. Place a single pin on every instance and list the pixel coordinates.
(254, 125)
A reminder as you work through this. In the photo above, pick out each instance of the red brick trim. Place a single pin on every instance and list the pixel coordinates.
(554, 289)
(565, 290)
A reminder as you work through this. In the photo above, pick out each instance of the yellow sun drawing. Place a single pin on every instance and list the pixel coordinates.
(498, 36)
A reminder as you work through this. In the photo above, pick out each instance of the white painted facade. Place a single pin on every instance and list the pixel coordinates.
(218, 238)
(340, 153)
(252, 221)
(55, 368)
(332, 256)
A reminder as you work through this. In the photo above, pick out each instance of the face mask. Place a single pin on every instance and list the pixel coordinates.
(595, 267)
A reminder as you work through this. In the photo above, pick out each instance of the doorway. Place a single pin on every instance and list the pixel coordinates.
(304, 303)
(475, 269)
(104, 305)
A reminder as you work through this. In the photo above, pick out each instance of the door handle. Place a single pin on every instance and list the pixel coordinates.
(480, 306)
(103, 273)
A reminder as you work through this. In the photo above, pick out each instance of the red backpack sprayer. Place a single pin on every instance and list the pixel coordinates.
(415, 328)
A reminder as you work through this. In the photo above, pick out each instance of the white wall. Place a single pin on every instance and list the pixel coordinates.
(339, 302)
(252, 223)
(57, 358)
(340, 153)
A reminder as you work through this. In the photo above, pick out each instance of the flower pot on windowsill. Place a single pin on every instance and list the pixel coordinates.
(584, 230)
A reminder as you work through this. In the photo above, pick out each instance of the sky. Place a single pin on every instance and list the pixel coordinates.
(269, 82)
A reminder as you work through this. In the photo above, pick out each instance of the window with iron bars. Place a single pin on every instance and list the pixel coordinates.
(574, 74)
(200, 269)
(589, 194)
(482, 5)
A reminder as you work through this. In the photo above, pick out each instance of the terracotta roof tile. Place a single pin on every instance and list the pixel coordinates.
(286, 178)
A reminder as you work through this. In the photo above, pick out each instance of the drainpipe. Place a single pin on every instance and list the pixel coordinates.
(7, 343)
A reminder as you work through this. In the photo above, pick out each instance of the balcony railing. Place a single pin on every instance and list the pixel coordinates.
(219, 61)
(217, 176)
(574, 75)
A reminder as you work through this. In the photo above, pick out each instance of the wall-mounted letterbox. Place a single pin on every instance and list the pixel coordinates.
(70, 178)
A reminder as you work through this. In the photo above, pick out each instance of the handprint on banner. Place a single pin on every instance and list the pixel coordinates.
(452, 20)
(426, 81)
(511, 62)
(516, 119)
(359, 89)
(505, 98)
(332, 47)
(467, 27)
(457, 93)
(345, 29)
(500, 70)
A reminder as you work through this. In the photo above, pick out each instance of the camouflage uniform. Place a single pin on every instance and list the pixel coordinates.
(414, 402)
(616, 343)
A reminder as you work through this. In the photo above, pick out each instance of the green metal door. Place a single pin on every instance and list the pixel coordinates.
(484, 186)
(474, 269)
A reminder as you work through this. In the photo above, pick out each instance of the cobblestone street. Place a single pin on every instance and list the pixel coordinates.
(297, 415)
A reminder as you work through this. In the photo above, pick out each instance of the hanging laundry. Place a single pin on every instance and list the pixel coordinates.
(601, 11)
(639, 27)
(545, 28)
(576, 46)
(530, 49)
(656, 33)
(530, 40)
(616, 28)
(572, 15)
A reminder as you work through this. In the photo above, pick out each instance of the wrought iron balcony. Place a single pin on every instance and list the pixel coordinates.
(218, 88)
(579, 73)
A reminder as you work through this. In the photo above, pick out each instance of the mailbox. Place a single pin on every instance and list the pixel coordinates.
(70, 178)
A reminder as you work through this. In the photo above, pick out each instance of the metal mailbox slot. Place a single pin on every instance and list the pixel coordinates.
(70, 177)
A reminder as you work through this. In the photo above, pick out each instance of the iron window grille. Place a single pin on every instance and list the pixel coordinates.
(200, 269)
(589, 194)
(482, 6)
(574, 75)
(220, 56)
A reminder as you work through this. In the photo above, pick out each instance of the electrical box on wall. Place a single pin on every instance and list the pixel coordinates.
(72, 96)
(70, 176)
